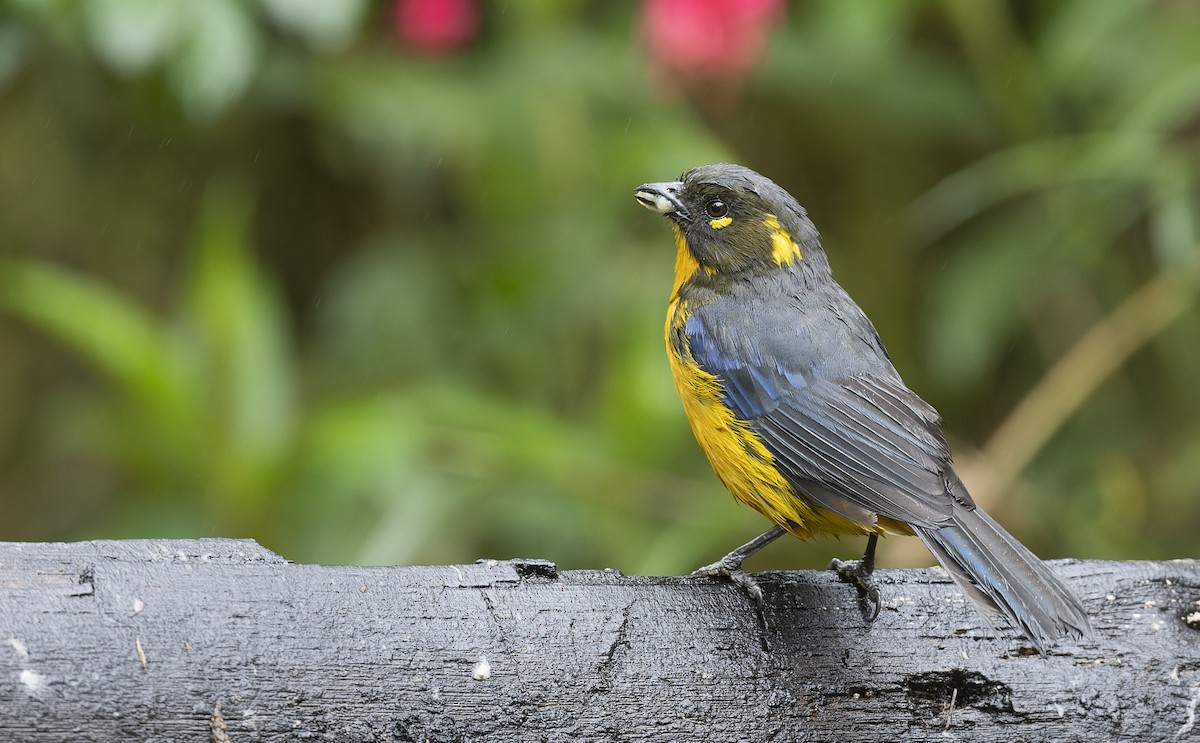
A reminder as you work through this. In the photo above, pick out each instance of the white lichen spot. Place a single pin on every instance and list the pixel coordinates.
(19, 647)
(1193, 619)
(32, 680)
(139, 606)
(1190, 719)
(482, 670)
(250, 716)
(1149, 604)
(492, 563)
(1110, 597)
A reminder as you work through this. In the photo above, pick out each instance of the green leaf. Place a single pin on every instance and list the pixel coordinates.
(14, 44)
(132, 35)
(979, 302)
(326, 26)
(247, 341)
(120, 339)
(218, 58)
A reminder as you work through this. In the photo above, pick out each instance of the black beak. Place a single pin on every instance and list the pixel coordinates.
(663, 198)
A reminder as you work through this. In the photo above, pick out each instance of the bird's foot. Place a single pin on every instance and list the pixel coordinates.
(730, 567)
(859, 573)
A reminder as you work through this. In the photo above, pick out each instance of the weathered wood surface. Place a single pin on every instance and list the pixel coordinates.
(221, 640)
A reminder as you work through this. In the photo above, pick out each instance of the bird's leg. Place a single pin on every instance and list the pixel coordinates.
(859, 573)
(730, 566)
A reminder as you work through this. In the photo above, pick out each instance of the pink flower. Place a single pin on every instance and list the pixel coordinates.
(697, 41)
(435, 27)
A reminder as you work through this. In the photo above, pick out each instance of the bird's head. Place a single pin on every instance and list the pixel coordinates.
(734, 221)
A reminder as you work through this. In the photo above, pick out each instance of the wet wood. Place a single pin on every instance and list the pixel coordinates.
(221, 640)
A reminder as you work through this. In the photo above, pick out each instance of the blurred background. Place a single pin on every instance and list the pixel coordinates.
(366, 281)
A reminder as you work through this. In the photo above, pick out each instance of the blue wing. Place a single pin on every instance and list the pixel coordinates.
(841, 425)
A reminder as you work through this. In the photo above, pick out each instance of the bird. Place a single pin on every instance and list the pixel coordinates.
(802, 414)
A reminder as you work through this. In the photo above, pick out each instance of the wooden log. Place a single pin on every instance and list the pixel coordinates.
(222, 640)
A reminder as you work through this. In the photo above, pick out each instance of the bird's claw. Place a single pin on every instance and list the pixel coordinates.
(732, 570)
(861, 577)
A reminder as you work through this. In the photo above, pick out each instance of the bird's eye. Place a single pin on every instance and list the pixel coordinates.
(716, 209)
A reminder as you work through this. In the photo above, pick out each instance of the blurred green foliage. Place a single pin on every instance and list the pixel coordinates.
(266, 272)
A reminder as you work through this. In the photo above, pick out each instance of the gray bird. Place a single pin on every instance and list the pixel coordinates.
(795, 401)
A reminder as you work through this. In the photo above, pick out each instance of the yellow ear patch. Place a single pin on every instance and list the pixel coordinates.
(784, 249)
(717, 224)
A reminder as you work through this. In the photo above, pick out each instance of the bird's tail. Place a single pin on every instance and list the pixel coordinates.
(1006, 581)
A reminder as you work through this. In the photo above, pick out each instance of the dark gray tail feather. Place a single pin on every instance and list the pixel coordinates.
(1006, 581)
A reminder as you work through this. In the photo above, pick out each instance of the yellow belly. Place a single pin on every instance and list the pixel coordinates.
(739, 457)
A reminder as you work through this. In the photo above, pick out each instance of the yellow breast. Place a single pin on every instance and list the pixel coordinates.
(738, 456)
